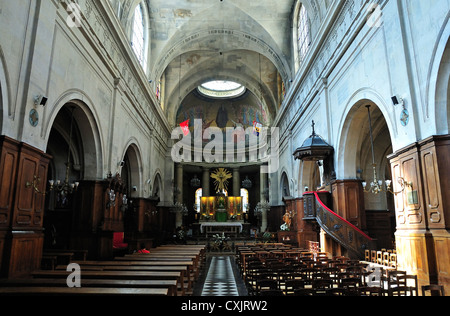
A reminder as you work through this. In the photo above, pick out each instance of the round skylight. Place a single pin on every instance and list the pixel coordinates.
(221, 89)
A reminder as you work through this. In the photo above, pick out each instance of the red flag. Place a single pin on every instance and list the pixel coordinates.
(185, 127)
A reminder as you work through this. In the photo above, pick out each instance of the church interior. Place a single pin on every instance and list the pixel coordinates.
(225, 148)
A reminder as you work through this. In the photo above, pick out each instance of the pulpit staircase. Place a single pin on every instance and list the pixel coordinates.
(339, 229)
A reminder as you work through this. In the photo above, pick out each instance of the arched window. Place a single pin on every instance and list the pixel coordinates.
(244, 195)
(139, 35)
(303, 33)
(198, 198)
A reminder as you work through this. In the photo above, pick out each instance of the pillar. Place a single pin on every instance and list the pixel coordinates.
(179, 216)
(205, 182)
(262, 188)
(422, 209)
(236, 182)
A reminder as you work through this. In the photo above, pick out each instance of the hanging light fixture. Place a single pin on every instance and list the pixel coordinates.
(247, 183)
(64, 189)
(378, 186)
(195, 182)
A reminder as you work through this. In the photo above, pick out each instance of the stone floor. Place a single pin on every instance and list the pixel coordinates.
(220, 277)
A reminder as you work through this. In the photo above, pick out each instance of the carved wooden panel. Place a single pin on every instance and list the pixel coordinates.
(9, 152)
(435, 159)
(30, 188)
(25, 255)
(348, 201)
(406, 165)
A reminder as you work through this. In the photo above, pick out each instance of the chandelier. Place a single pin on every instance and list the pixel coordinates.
(261, 207)
(179, 207)
(64, 189)
(247, 183)
(378, 186)
(195, 182)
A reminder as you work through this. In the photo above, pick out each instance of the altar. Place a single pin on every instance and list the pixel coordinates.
(228, 228)
(221, 208)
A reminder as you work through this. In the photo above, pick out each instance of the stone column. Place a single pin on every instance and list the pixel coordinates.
(205, 182)
(179, 216)
(236, 182)
(262, 187)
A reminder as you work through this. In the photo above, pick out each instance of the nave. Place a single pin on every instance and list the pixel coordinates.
(248, 269)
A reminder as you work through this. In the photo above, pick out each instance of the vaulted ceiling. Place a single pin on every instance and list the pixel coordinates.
(248, 42)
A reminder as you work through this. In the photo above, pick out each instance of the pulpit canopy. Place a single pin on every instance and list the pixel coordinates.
(313, 149)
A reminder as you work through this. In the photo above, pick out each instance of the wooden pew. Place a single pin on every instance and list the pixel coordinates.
(83, 291)
(60, 254)
(183, 269)
(162, 260)
(115, 275)
(76, 254)
(171, 285)
(186, 266)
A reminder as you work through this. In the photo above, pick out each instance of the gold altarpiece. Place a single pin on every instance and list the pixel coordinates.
(221, 208)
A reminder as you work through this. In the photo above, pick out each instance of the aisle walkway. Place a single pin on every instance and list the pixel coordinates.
(221, 278)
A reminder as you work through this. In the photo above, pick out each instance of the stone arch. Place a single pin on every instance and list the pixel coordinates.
(438, 84)
(309, 177)
(354, 151)
(206, 70)
(157, 185)
(5, 110)
(89, 132)
(131, 171)
(284, 185)
(354, 130)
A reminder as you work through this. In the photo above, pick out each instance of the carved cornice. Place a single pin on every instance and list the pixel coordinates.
(103, 31)
(343, 22)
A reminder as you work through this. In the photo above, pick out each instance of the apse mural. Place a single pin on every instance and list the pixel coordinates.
(223, 115)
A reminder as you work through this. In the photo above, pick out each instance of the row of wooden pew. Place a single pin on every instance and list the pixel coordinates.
(166, 271)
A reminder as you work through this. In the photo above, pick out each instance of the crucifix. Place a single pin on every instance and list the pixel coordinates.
(221, 177)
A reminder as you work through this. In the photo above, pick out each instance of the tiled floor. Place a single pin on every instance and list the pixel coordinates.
(220, 278)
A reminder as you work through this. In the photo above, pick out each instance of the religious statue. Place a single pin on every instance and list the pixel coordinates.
(221, 177)
(287, 218)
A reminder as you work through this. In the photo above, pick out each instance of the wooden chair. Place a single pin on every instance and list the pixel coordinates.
(371, 291)
(291, 285)
(410, 281)
(373, 256)
(380, 257)
(271, 293)
(350, 283)
(321, 284)
(386, 260)
(434, 289)
(367, 255)
(304, 292)
(393, 260)
(266, 285)
(401, 291)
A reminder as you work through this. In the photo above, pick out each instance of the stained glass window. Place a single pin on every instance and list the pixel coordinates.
(303, 33)
(138, 39)
(244, 195)
(198, 198)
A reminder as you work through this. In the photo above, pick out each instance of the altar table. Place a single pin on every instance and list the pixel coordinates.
(212, 228)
